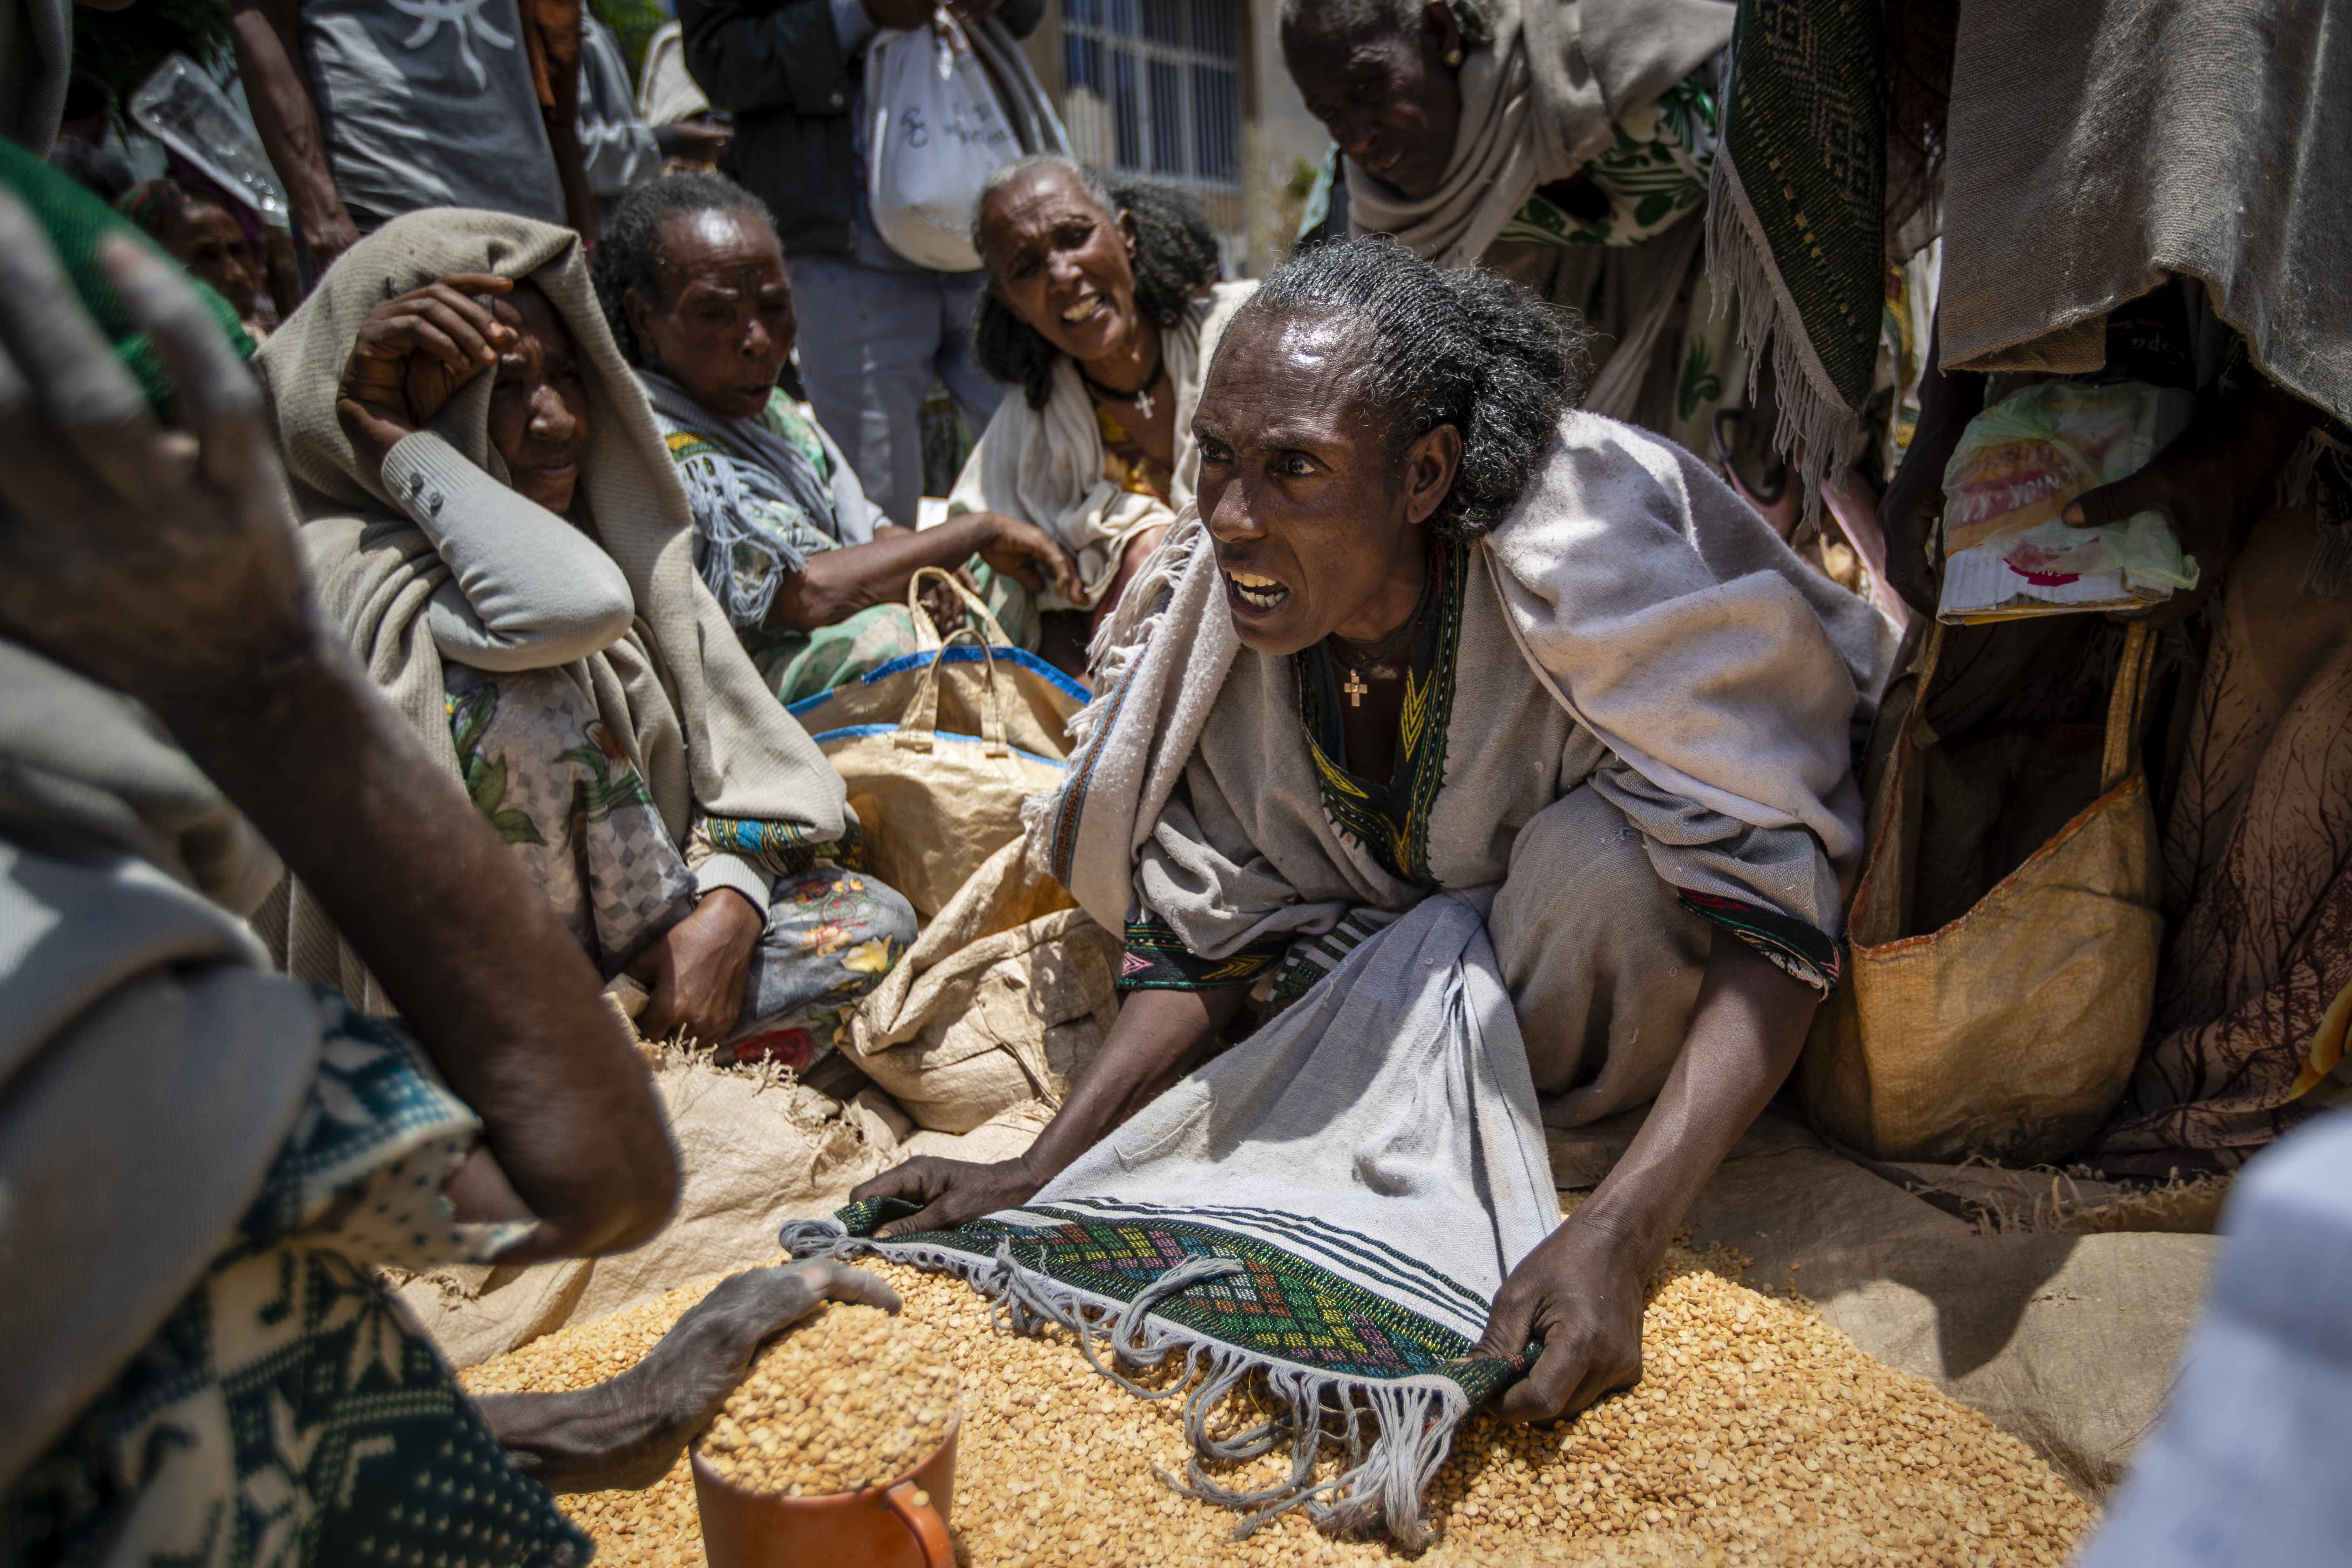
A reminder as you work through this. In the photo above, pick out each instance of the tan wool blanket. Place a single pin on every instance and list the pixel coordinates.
(2096, 148)
(1045, 465)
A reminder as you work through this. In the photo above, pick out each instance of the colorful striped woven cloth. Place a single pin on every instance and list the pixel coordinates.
(1329, 1207)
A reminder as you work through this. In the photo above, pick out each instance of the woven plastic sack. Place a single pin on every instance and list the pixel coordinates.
(2011, 1030)
(934, 804)
(2014, 473)
(1003, 999)
(1035, 701)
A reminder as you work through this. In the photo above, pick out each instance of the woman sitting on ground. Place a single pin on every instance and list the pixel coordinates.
(1432, 630)
(496, 527)
(201, 235)
(813, 577)
(1099, 311)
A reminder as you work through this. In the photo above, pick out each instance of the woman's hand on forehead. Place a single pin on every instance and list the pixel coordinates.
(414, 351)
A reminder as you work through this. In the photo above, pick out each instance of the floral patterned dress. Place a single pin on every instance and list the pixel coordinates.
(544, 767)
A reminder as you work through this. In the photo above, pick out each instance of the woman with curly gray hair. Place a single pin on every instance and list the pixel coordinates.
(1101, 310)
(1431, 631)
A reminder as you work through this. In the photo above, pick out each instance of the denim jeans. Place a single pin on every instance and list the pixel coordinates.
(871, 343)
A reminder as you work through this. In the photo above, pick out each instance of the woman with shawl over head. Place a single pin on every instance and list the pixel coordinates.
(1101, 311)
(811, 574)
(496, 529)
(1428, 630)
(1566, 145)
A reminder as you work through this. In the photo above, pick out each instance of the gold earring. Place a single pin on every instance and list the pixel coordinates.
(1452, 57)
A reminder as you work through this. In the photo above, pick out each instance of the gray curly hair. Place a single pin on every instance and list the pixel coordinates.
(1469, 349)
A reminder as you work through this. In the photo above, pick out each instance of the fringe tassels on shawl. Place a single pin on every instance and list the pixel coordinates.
(1816, 432)
(1796, 218)
(1396, 1434)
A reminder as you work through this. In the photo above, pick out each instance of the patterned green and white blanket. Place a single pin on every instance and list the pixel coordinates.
(1329, 1206)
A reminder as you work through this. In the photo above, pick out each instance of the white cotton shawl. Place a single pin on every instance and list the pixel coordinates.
(1539, 100)
(1045, 465)
(1656, 607)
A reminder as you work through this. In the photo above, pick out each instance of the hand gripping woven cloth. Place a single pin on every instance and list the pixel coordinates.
(1331, 1205)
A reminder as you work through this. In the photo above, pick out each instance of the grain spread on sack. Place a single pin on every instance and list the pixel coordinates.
(1759, 1435)
(840, 1404)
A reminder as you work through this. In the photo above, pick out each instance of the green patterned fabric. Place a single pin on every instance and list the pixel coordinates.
(285, 1414)
(1277, 1304)
(1798, 223)
(1653, 175)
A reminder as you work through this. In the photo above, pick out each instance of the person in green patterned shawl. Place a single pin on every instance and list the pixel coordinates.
(528, 596)
(1567, 145)
(206, 1163)
(811, 575)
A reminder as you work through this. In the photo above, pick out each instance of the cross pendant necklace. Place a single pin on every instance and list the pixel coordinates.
(1141, 396)
(1355, 688)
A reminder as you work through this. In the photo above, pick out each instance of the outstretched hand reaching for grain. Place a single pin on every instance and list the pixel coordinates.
(1579, 1293)
(627, 1431)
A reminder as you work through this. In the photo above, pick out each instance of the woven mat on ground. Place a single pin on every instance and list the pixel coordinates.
(1329, 1206)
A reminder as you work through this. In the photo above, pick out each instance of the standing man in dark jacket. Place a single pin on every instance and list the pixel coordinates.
(875, 328)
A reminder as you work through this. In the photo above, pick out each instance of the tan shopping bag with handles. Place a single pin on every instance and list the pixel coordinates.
(1003, 999)
(934, 804)
(1035, 700)
(2012, 1030)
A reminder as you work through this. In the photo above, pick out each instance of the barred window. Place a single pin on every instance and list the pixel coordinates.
(1155, 86)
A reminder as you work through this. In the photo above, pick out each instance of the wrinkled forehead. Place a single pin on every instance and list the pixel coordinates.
(1323, 45)
(534, 318)
(1033, 200)
(1290, 371)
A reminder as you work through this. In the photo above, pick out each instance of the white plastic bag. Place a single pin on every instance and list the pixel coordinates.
(937, 133)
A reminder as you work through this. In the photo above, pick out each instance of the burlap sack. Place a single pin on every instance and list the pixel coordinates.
(1004, 998)
(2011, 1030)
(756, 1150)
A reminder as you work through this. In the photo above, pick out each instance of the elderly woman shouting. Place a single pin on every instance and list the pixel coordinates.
(1431, 631)
(499, 533)
(1100, 310)
(811, 574)
(1565, 146)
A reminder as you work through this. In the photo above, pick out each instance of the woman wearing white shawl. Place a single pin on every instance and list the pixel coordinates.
(1099, 312)
(528, 598)
(1607, 707)
(1566, 144)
